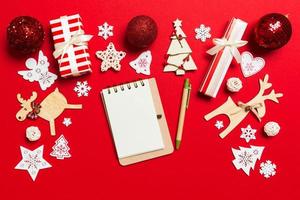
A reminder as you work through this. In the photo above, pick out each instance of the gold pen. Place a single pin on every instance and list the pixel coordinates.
(184, 106)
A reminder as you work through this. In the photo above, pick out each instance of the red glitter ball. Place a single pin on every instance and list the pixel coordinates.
(141, 31)
(272, 31)
(25, 35)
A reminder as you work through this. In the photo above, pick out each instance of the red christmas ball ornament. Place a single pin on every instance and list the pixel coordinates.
(141, 31)
(25, 35)
(272, 31)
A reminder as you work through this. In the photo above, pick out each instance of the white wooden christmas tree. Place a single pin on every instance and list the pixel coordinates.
(245, 158)
(61, 148)
(179, 53)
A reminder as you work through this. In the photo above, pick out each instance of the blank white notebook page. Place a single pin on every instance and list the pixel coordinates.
(133, 120)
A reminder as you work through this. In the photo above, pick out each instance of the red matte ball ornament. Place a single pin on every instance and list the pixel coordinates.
(25, 35)
(272, 31)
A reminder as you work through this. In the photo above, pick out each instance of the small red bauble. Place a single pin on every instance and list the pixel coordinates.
(25, 35)
(141, 31)
(273, 31)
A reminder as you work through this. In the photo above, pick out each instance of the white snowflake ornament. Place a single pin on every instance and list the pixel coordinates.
(32, 161)
(248, 133)
(245, 158)
(267, 169)
(38, 71)
(61, 149)
(110, 58)
(219, 124)
(82, 88)
(67, 122)
(105, 30)
(202, 33)
(142, 63)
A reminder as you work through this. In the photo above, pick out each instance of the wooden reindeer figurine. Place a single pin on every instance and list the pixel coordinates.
(236, 113)
(50, 108)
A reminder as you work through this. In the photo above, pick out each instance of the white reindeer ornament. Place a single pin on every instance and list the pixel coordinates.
(236, 113)
(49, 109)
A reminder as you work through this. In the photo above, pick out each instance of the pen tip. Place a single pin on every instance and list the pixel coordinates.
(177, 144)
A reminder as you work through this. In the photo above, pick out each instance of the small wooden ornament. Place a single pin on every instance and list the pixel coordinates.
(271, 129)
(33, 133)
(234, 84)
(251, 65)
(49, 109)
(237, 112)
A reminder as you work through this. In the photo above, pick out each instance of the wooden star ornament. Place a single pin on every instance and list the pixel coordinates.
(32, 161)
(110, 58)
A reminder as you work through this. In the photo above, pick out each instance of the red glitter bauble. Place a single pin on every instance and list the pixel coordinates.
(141, 31)
(273, 31)
(25, 35)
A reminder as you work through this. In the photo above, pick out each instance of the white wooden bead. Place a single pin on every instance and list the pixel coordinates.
(271, 128)
(234, 84)
(33, 133)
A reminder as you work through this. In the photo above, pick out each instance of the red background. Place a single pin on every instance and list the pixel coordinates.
(202, 168)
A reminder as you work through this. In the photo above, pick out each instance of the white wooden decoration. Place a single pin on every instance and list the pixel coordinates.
(179, 53)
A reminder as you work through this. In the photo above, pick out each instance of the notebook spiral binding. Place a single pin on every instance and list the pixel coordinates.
(122, 87)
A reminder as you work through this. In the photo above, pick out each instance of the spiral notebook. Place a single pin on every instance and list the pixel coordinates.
(137, 121)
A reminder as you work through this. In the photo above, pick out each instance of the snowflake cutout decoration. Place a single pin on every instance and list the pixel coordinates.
(219, 124)
(32, 161)
(61, 148)
(245, 159)
(248, 133)
(105, 30)
(110, 58)
(202, 33)
(67, 122)
(82, 88)
(267, 169)
(46, 79)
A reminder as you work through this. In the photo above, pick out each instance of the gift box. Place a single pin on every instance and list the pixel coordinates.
(224, 51)
(70, 44)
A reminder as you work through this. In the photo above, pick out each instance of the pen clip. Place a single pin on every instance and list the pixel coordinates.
(188, 96)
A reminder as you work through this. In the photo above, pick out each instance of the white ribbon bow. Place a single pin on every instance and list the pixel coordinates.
(79, 39)
(223, 42)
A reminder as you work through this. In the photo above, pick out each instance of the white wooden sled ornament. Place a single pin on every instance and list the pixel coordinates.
(49, 109)
(236, 113)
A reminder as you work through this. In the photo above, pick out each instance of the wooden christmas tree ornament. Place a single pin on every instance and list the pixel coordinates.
(237, 112)
(49, 109)
(179, 57)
